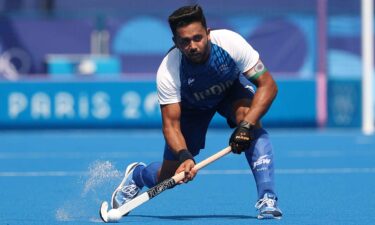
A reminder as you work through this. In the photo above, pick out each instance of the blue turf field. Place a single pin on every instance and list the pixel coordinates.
(60, 177)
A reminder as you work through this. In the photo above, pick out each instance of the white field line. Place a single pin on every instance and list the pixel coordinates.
(205, 172)
(295, 171)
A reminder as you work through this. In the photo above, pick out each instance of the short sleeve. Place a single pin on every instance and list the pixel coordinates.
(168, 78)
(238, 48)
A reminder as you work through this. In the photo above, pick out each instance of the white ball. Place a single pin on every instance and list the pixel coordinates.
(114, 215)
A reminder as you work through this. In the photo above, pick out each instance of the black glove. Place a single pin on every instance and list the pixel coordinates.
(241, 137)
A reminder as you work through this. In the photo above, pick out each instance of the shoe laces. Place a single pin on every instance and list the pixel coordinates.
(265, 201)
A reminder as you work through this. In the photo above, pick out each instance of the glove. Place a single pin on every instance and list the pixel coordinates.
(242, 137)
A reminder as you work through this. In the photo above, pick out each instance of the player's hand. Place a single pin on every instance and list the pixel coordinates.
(241, 137)
(187, 168)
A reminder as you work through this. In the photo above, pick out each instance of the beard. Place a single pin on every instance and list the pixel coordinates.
(199, 57)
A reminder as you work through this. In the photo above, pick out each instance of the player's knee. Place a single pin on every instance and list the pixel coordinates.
(167, 170)
(263, 145)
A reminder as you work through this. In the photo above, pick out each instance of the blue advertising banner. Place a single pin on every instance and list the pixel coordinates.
(124, 104)
(78, 104)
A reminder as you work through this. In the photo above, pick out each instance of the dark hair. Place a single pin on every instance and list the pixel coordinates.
(185, 16)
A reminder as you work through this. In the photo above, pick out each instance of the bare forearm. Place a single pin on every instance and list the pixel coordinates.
(174, 139)
(171, 127)
(261, 102)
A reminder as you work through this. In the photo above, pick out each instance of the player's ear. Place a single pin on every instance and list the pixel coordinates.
(174, 39)
(208, 33)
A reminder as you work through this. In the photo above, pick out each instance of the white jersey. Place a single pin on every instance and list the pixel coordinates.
(230, 56)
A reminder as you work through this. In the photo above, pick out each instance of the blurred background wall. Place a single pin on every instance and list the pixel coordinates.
(92, 63)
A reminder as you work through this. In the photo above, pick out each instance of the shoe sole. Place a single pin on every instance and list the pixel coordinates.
(269, 215)
(129, 168)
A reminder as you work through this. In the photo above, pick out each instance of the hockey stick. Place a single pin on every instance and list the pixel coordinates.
(114, 215)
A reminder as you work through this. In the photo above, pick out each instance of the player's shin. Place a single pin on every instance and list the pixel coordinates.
(264, 180)
(260, 159)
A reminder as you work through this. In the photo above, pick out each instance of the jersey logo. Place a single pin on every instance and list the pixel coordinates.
(224, 68)
(217, 90)
(190, 81)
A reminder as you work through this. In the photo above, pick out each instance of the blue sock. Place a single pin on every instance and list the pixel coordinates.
(260, 158)
(146, 175)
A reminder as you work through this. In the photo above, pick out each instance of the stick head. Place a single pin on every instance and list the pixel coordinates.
(114, 215)
(103, 212)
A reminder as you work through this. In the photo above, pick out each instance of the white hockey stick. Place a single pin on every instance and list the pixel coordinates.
(114, 215)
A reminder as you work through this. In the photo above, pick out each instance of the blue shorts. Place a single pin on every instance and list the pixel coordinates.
(194, 123)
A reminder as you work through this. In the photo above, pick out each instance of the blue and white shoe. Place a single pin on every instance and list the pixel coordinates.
(267, 207)
(127, 189)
